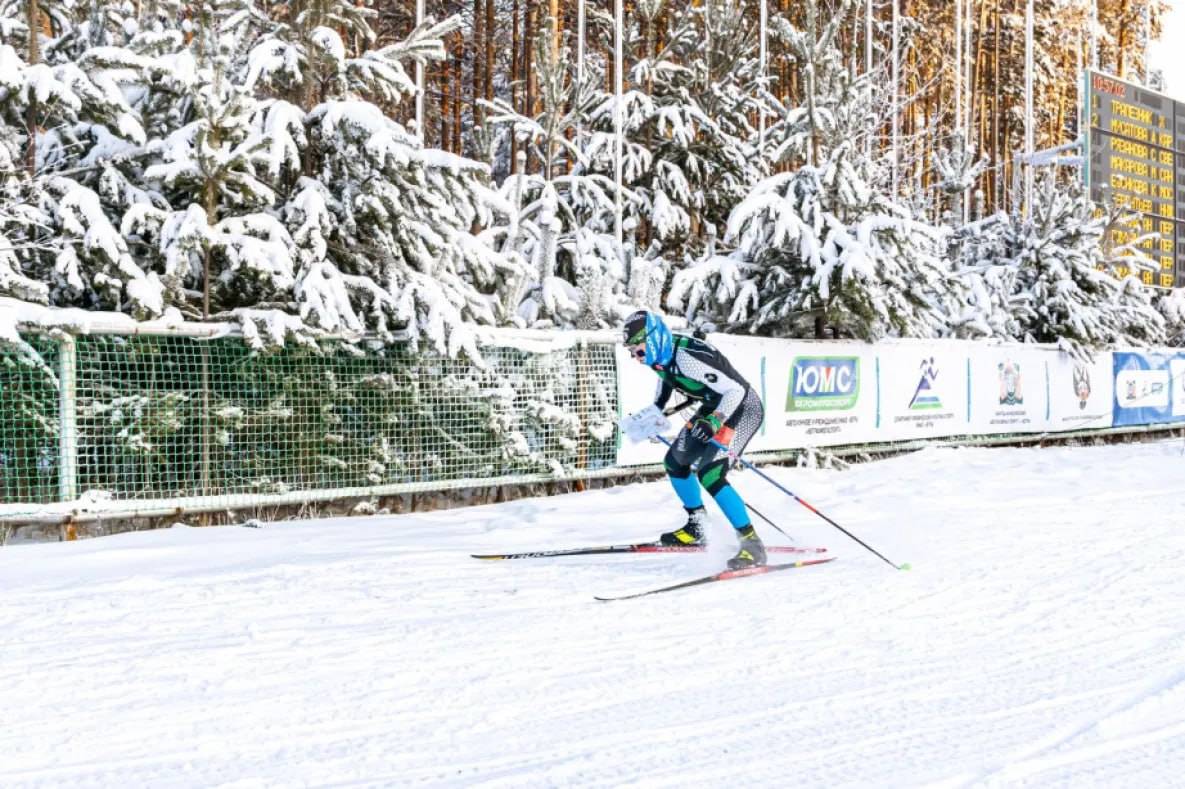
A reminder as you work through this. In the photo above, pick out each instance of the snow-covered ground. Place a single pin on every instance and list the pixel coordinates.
(1038, 641)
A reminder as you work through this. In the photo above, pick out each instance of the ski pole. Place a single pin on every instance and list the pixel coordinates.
(747, 504)
(810, 507)
(753, 510)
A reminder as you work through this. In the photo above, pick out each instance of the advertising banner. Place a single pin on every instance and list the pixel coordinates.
(924, 390)
(1009, 391)
(1144, 388)
(1177, 386)
(819, 394)
(1080, 393)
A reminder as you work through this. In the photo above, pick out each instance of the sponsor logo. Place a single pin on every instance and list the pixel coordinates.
(1010, 391)
(925, 397)
(823, 383)
(1142, 388)
(1082, 385)
(1136, 390)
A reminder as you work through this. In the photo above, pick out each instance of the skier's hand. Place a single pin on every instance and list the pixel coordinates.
(704, 428)
(645, 424)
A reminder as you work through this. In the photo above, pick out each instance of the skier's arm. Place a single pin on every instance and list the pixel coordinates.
(663, 394)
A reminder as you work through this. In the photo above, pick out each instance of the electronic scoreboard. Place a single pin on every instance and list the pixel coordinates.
(1135, 146)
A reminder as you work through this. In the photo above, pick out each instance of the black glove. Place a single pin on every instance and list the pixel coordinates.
(704, 428)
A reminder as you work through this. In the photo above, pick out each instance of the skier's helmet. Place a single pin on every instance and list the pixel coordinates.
(647, 327)
(634, 330)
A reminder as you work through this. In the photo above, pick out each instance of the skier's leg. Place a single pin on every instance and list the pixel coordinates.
(714, 477)
(713, 470)
(677, 463)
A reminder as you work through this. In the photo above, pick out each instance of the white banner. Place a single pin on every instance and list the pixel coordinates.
(923, 390)
(1177, 385)
(1008, 389)
(818, 394)
(842, 393)
(1080, 392)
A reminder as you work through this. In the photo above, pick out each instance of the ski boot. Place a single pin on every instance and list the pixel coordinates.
(752, 552)
(691, 533)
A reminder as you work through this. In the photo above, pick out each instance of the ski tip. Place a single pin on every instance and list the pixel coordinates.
(906, 566)
(488, 557)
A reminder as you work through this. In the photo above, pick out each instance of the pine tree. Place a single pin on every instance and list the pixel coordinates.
(401, 242)
(217, 237)
(560, 225)
(1071, 301)
(985, 263)
(693, 94)
(71, 100)
(821, 245)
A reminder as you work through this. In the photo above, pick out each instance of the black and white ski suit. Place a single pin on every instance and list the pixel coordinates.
(698, 371)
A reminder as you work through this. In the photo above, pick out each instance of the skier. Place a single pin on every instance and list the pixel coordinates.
(730, 412)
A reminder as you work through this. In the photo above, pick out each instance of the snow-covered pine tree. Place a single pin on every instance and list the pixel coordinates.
(217, 245)
(821, 244)
(382, 225)
(985, 264)
(1070, 300)
(70, 95)
(1171, 305)
(958, 169)
(561, 220)
(19, 222)
(693, 92)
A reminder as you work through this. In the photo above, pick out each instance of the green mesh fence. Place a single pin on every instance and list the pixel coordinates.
(29, 425)
(161, 418)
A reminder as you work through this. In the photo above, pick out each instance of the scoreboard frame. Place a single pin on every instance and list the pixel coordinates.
(1134, 150)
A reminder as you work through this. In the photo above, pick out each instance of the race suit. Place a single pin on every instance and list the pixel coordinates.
(699, 372)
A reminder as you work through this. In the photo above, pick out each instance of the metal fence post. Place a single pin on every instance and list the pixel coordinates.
(67, 419)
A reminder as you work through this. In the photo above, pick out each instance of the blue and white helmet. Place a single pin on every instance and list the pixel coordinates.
(648, 327)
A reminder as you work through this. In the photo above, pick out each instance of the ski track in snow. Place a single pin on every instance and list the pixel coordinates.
(1038, 641)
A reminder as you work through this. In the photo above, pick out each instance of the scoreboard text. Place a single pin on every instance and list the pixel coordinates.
(1136, 157)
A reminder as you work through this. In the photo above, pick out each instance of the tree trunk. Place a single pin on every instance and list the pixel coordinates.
(515, 45)
(1122, 38)
(445, 115)
(458, 93)
(532, 32)
(34, 21)
(490, 64)
(978, 93)
(556, 30)
(477, 87)
(996, 200)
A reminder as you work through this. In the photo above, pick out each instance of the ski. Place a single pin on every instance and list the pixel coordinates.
(727, 575)
(633, 547)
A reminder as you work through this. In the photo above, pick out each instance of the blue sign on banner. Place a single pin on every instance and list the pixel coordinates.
(1148, 388)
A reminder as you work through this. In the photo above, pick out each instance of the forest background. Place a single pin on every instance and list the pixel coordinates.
(261, 162)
